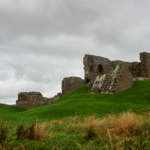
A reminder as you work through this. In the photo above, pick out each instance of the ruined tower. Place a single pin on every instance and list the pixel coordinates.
(145, 64)
(106, 76)
(94, 66)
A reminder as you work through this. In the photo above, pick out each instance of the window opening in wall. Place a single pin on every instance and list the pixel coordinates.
(100, 68)
(87, 80)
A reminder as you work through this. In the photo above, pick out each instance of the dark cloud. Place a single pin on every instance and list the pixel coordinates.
(42, 41)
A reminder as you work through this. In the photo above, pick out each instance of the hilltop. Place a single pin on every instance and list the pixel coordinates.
(108, 110)
(101, 75)
(81, 120)
(82, 102)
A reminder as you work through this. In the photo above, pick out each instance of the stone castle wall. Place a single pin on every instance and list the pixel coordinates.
(120, 79)
(30, 100)
(94, 66)
(145, 64)
(70, 83)
(100, 74)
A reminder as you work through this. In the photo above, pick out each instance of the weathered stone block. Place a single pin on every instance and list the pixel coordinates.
(124, 79)
(29, 100)
(145, 64)
(119, 80)
(70, 83)
(94, 66)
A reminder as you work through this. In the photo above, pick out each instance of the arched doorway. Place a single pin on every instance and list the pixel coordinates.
(100, 68)
(87, 80)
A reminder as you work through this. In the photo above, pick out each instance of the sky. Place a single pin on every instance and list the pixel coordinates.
(43, 41)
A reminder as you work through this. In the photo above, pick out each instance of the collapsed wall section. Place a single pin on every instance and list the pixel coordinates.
(94, 66)
(134, 67)
(70, 83)
(119, 80)
(29, 100)
(145, 64)
(100, 74)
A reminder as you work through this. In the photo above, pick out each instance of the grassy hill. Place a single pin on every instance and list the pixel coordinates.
(82, 102)
(81, 120)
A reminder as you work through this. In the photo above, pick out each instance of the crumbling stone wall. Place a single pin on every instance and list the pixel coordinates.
(94, 66)
(119, 80)
(145, 64)
(101, 74)
(124, 79)
(70, 83)
(30, 100)
(134, 67)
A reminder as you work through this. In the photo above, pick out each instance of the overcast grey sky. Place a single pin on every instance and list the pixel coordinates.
(43, 41)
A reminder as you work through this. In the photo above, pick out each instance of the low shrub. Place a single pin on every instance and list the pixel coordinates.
(20, 132)
(90, 128)
(36, 132)
(3, 133)
(124, 125)
(33, 132)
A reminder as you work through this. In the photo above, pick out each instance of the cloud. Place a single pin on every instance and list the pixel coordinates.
(41, 42)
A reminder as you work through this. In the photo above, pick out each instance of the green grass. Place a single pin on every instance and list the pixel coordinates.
(82, 102)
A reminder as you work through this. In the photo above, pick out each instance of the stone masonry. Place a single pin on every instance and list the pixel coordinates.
(100, 74)
(106, 76)
(70, 83)
(30, 100)
(95, 66)
(120, 79)
(145, 64)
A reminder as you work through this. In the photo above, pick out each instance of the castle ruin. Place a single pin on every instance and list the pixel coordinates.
(106, 76)
(101, 75)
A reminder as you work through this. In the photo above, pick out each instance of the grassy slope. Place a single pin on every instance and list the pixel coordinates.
(9, 113)
(81, 102)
